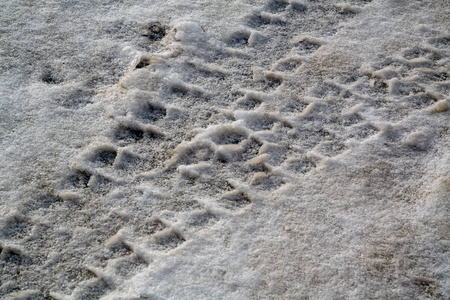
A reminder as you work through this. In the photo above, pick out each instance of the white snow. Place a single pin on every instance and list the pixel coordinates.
(251, 149)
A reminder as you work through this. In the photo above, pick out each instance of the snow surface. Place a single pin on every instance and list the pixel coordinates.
(251, 149)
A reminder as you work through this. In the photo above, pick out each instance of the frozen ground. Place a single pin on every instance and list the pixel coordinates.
(251, 149)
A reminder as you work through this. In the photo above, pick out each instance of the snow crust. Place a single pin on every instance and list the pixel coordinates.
(256, 149)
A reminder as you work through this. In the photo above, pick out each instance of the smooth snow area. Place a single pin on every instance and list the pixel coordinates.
(224, 149)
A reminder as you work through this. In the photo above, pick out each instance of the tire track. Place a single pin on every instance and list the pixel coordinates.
(208, 140)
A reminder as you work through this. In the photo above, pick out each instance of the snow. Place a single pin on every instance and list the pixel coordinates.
(257, 149)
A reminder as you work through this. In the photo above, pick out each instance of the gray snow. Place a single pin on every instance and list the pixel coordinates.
(257, 149)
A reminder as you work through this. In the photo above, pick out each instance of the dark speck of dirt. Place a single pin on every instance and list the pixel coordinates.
(155, 31)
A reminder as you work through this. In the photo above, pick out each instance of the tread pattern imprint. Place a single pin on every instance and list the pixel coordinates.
(205, 128)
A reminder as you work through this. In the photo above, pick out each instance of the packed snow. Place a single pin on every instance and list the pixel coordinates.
(240, 149)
